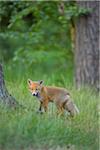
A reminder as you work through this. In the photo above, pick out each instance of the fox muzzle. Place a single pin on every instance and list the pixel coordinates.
(35, 94)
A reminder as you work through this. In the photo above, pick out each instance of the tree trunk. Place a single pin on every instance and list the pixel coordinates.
(87, 46)
(5, 97)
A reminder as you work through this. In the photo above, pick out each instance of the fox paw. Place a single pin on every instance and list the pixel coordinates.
(40, 112)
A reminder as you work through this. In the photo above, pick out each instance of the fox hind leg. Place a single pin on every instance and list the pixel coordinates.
(60, 110)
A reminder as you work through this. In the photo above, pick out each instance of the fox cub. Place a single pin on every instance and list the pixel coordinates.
(60, 96)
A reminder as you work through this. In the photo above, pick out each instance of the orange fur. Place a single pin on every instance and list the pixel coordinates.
(60, 96)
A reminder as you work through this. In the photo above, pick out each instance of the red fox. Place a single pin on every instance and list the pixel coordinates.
(60, 96)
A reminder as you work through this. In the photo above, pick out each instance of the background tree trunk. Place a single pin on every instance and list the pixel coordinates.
(87, 46)
(5, 97)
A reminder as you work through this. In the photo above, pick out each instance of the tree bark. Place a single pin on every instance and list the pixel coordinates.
(87, 46)
(5, 97)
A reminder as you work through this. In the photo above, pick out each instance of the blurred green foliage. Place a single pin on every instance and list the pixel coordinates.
(34, 34)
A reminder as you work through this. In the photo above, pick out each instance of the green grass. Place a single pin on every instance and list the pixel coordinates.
(26, 130)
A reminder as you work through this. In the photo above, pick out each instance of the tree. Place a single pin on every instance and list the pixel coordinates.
(5, 97)
(87, 45)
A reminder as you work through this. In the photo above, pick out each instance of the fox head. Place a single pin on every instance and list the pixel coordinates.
(35, 87)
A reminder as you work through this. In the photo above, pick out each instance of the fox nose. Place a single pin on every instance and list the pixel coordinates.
(33, 94)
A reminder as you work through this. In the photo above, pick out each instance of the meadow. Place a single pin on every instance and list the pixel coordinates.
(25, 129)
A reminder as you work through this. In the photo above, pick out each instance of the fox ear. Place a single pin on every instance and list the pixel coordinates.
(29, 81)
(41, 82)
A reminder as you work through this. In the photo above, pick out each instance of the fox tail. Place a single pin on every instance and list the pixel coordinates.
(71, 108)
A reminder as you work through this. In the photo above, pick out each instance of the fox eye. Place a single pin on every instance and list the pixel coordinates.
(36, 89)
(31, 88)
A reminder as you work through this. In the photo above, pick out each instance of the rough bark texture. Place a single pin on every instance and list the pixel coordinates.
(5, 97)
(87, 46)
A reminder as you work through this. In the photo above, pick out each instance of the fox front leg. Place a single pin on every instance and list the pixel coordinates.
(45, 105)
(40, 108)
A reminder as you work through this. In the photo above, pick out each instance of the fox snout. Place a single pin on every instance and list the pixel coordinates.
(34, 93)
